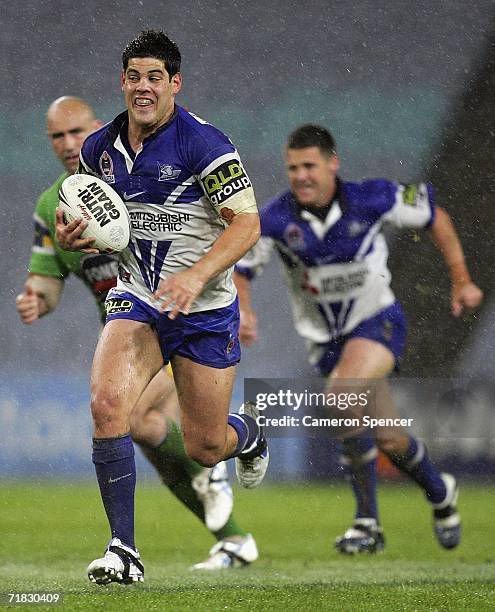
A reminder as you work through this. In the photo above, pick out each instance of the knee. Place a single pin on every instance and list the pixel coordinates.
(148, 428)
(392, 445)
(205, 452)
(106, 408)
(138, 432)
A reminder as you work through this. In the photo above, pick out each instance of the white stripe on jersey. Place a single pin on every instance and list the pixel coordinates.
(219, 161)
(84, 164)
(368, 239)
(39, 220)
(179, 189)
(198, 118)
(43, 250)
(119, 145)
(135, 244)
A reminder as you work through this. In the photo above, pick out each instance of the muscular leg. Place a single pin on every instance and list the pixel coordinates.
(126, 359)
(365, 359)
(361, 360)
(154, 426)
(406, 452)
(204, 397)
(155, 410)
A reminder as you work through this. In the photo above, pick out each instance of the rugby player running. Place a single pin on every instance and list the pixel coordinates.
(204, 491)
(183, 307)
(328, 233)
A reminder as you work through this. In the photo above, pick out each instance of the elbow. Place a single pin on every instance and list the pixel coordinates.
(255, 232)
(256, 236)
(441, 215)
(441, 219)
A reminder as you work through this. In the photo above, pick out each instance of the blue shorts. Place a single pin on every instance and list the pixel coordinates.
(388, 327)
(210, 337)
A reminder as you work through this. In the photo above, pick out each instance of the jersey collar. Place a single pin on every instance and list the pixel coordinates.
(322, 219)
(120, 123)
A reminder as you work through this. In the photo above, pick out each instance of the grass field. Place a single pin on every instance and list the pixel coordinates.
(50, 532)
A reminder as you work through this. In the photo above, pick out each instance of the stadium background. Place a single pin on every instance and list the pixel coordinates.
(407, 91)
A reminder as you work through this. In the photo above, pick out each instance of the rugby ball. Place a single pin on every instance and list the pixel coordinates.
(87, 197)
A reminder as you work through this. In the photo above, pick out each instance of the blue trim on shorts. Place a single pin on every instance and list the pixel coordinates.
(388, 327)
(209, 338)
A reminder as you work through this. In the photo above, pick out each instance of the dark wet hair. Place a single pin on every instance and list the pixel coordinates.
(310, 135)
(154, 43)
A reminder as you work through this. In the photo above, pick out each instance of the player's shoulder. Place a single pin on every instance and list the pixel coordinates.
(375, 195)
(100, 134)
(278, 203)
(200, 144)
(277, 213)
(198, 128)
(102, 138)
(48, 200)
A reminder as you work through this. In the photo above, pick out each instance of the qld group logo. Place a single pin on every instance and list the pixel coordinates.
(226, 180)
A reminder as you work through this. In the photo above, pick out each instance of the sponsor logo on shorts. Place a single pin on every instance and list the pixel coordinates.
(225, 181)
(230, 345)
(118, 305)
(95, 200)
(166, 172)
(106, 167)
(388, 330)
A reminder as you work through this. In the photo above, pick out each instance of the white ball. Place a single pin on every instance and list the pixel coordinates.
(87, 197)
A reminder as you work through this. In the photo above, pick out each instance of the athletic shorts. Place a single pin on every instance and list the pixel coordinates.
(210, 337)
(388, 327)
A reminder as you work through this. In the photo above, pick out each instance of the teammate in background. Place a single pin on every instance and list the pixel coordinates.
(205, 491)
(193, 215)
(327, 232)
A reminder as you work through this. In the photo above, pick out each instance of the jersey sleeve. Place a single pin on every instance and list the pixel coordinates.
(253, 262)
(218, 166)
(414, 206)
(84, 166)
(88, 155)
(44, 260)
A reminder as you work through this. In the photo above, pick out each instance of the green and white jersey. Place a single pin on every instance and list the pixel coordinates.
(98, 272)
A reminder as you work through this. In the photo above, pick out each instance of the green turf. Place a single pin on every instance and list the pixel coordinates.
(50, 532)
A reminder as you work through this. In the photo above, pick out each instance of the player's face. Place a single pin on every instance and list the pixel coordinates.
(149, 92)
(67, 129)
(311, 175)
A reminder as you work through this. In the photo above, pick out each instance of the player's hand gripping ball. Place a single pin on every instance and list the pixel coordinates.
(90, 198)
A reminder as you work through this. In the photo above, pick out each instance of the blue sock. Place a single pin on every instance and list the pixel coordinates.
(116, 474)
(247, 432)
(416, 464)
(359, 456)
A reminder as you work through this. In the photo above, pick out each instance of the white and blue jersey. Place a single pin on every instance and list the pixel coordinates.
(178, 188)
(336, 266)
